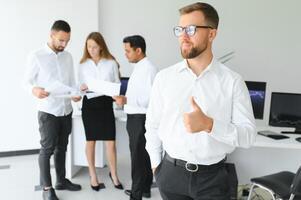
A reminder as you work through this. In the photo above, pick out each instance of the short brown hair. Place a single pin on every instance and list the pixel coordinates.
(211, 16)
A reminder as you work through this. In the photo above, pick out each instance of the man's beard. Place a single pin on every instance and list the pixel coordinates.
(193, 52)
(59, 49)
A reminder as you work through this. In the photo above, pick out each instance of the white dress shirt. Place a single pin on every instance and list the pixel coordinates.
(220, 93)
(139, 87)
(44, 68)
(105, 70)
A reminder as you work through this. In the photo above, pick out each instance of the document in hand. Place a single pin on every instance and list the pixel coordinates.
(104, 87)
(58, 89)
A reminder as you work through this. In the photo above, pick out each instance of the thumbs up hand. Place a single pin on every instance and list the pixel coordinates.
(196, 120)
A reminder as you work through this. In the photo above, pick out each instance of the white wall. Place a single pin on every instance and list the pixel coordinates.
(25, 27)
(265, 36)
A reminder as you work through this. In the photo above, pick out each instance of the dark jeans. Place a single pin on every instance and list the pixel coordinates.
(54, 133)
(142, 176)
(176, 183)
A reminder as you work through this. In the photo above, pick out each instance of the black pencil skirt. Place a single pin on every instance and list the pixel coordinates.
(98, 118)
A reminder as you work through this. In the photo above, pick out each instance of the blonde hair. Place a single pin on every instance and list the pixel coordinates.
(104, 51)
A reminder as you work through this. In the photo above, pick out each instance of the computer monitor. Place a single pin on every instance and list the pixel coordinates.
(257, 94)
(124, 85)
(285, 111)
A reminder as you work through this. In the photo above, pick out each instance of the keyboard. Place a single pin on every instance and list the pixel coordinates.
(273, 135)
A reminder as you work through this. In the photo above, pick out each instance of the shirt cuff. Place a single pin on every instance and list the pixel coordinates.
(219, 128)
(156, 159)
(30, 88)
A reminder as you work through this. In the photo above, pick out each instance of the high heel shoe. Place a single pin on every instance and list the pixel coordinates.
(98, 187)
(119, 186)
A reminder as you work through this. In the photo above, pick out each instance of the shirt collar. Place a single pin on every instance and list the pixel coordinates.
(184, 66)
(142, 61)
(50, 51)
(92, 61)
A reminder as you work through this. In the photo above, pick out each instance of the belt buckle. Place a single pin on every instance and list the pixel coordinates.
(189, 169)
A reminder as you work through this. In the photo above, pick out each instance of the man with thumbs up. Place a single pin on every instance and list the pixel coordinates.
(196, 120)
(199, 112)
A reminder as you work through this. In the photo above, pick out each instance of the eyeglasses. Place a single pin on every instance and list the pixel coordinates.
(189, 30)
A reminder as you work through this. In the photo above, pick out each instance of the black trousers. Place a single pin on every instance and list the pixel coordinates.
(54, 133)
(142, 176)
(176, 183)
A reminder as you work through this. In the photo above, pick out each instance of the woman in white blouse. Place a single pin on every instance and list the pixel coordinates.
(97, 63)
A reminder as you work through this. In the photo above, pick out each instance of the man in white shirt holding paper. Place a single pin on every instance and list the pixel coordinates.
(50, 66)
(199, 112)
(135, 105)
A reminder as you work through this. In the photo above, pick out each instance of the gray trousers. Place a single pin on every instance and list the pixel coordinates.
(176, 183)
(54, 133)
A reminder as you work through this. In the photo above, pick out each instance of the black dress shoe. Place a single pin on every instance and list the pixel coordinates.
(98, 187)
(144, 194)
(49, 194)
(119, 186)
(67, 185)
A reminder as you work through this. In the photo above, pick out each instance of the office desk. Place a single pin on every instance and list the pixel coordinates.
(267, 156)
(264, 157)
(76, 157)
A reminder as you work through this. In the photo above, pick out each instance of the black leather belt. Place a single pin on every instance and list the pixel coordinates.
(193, 167)
(132, 116)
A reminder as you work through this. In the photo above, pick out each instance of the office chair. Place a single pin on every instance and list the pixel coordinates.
(282, 186)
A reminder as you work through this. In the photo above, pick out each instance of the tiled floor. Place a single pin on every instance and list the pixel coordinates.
(17, 182)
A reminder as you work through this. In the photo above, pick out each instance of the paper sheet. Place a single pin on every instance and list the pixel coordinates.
(104, 87)
(60, 90)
